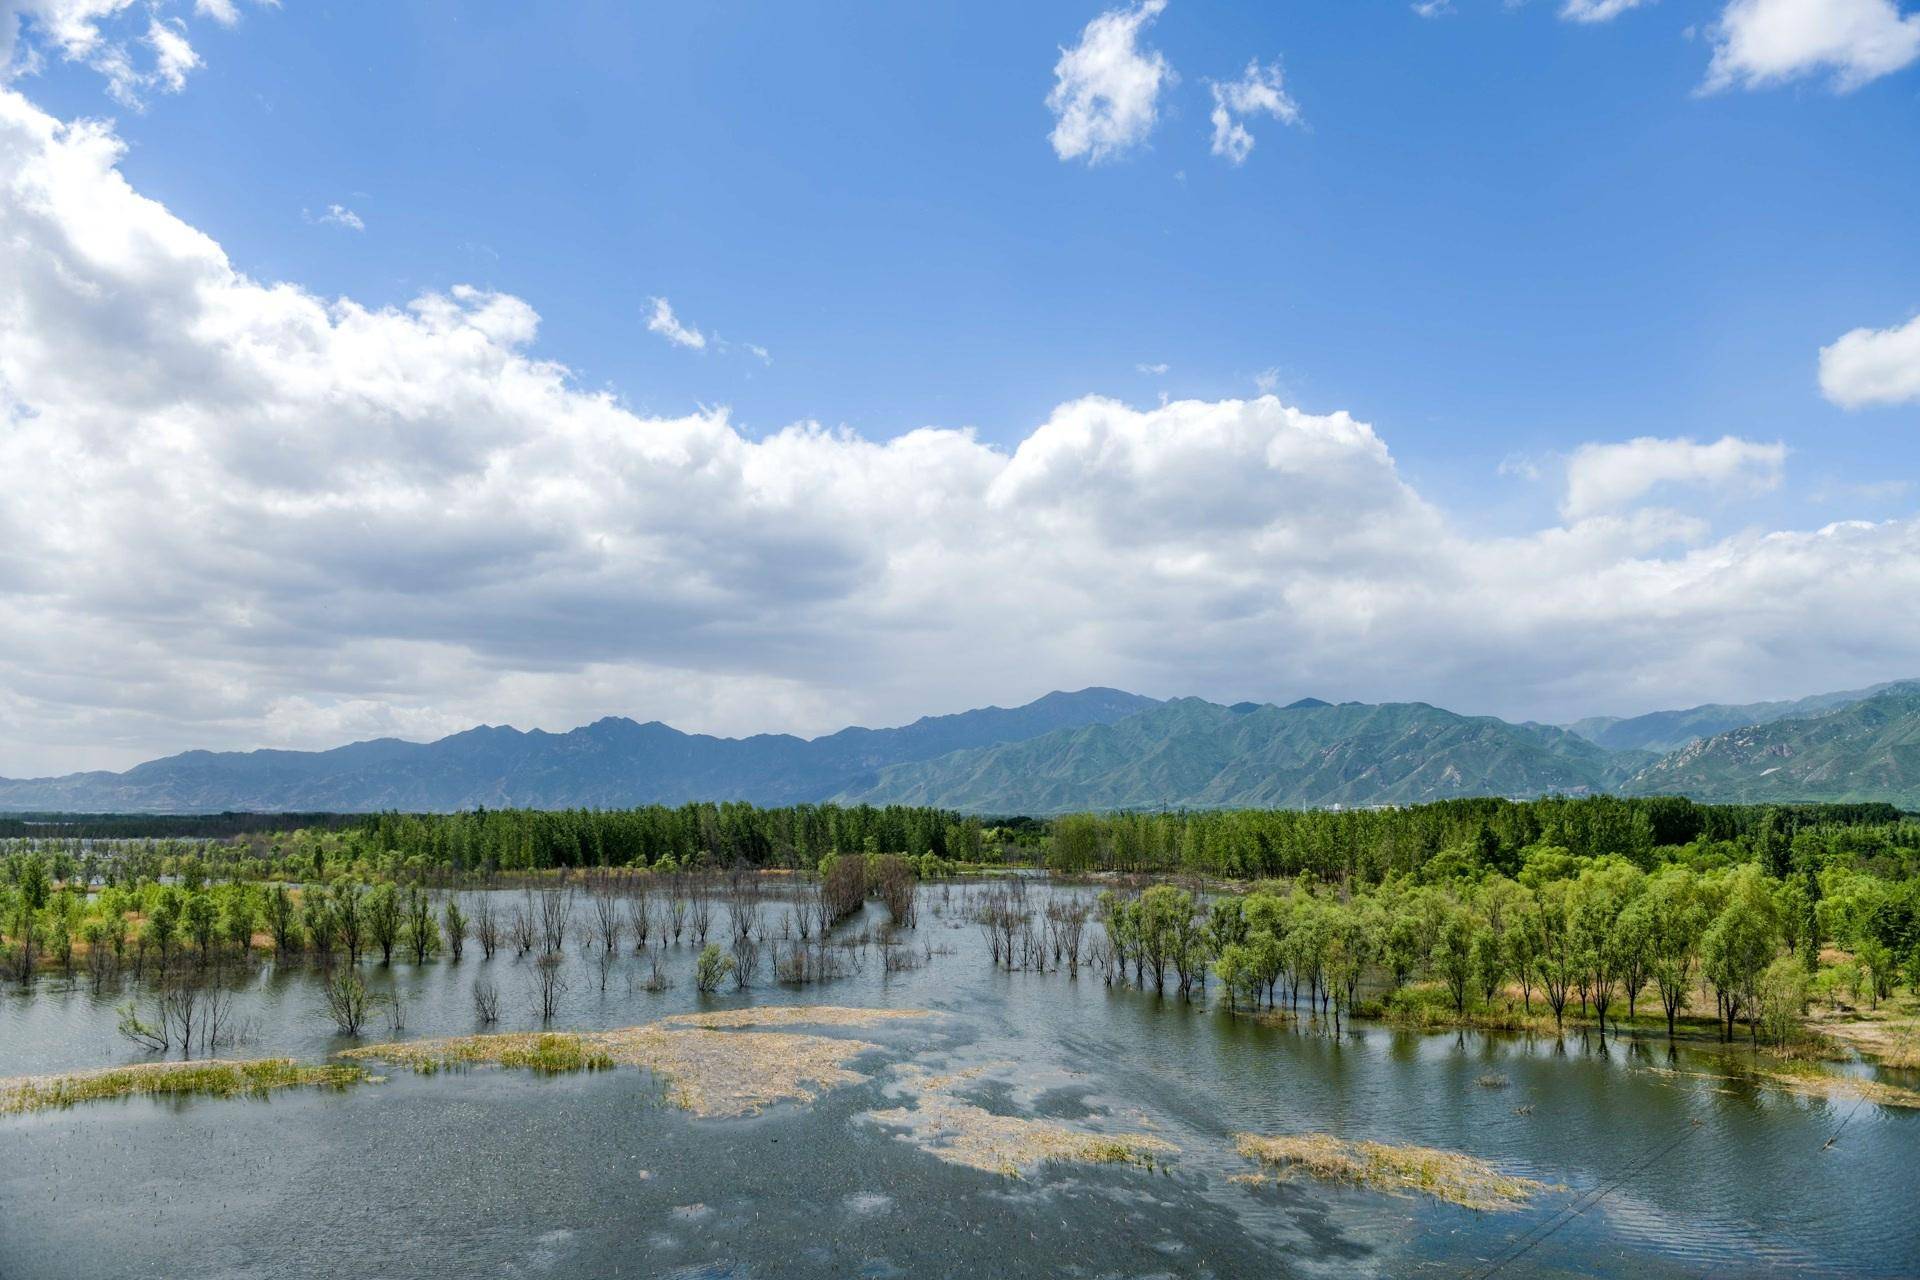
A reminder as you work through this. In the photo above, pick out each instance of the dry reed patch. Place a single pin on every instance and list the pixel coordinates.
(1890, 1039)
(961, 1133)
(214, 1078)
(736, 1073)
(709, 1070)
(1398, 1170)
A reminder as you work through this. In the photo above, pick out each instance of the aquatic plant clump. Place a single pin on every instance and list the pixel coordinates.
(959, 1132)
(1398, 1170)
(212, 1079)
(552, 1051)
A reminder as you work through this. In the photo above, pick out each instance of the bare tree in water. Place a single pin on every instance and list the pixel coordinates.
(486, 1001)
(549, 983)
(608, 918)
(556, 913)
(486, 925)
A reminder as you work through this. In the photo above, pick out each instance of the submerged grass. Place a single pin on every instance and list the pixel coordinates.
(791, 1015)
(1807, 1079)
(1811, 1081)
(959, 1132)
(709, 1070)
(211, 1079)
(1399, 1170)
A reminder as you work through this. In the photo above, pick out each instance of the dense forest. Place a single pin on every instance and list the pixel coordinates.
(1351, 847)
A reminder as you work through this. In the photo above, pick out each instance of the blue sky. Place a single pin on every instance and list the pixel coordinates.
(1495, 234)
(1498, 233)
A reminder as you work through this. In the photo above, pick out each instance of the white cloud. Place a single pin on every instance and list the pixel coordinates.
(1597, 10)
(1106, 91)
(1152, 370)
(76, 29)
(338, 216)
(1433, 8)
(668, 326)
(173, 57)
(1605, 478)
(1757, 43)
(1267, 381)
(1258, 91)
(1873, 366)
(224, 12)
(234, 513)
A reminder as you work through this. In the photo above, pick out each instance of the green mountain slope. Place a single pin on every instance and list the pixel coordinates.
(1663, 731)
(1191, 753)
(1866, 750)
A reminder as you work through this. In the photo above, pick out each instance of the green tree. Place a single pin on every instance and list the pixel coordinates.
(422, 931)
(1452, 957)
(711, 969)
(384, 916)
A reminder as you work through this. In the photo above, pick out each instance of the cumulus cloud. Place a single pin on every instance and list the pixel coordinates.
(1597, 10)
(234, 513)
(1873, 367)
(1604, 478)
(1106, 89)
(663, 322)
(1757, 43)
(1258, 91)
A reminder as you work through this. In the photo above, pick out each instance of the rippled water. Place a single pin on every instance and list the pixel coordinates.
(489, 1172)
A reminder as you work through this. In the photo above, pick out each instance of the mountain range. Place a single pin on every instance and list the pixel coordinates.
(1094, 749)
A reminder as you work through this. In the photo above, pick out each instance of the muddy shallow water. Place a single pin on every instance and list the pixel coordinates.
(490, 1171)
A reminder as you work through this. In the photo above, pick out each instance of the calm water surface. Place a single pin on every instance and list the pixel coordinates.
(490, 1172)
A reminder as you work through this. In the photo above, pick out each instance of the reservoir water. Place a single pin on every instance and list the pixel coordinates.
(1660, 1166)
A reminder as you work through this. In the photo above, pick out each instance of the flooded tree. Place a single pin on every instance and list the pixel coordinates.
(321, 925)
(640, 911)
(521, 925)
(603, 892)
(283, 921)
(486, 926)
(711, 969)
(384, 916)
(843, 887)
(421, 932)
(549, 983)
(486, 1000)
(349, 1003)
(555, 914)
(453, 925)
(349, 917)
(700, 910)
(891, 879)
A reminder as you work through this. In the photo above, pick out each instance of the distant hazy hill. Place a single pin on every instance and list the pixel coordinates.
(1663, 731)
(1095, 749)
(1865, 750)
(1198, 754)
(612, 762)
